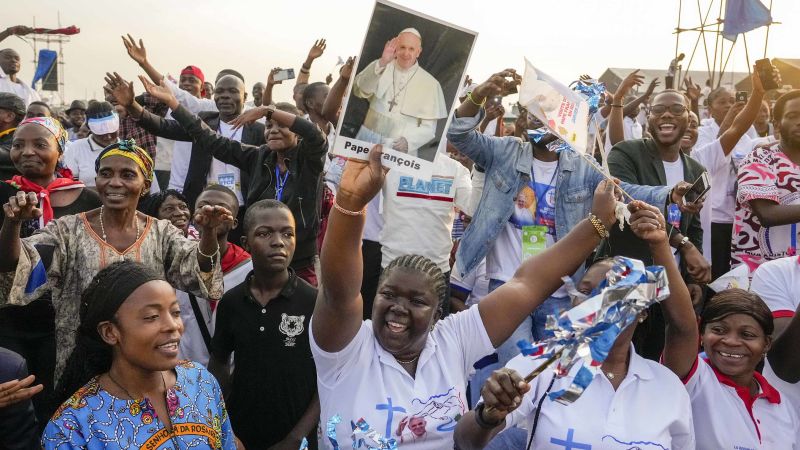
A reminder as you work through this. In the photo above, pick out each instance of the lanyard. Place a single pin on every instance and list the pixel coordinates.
(539, 199)
(280, 183)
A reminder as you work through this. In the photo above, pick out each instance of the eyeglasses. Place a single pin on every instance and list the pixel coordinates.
(675, 109)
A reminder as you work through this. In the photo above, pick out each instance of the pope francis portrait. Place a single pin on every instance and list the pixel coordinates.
(405, 101)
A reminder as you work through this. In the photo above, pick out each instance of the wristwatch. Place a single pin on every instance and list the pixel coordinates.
(481, 421)
(681, 244)
(269, 113)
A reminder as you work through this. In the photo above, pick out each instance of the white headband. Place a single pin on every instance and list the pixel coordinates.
(104, 125)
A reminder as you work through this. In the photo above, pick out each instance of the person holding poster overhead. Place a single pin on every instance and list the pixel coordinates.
(405, 101)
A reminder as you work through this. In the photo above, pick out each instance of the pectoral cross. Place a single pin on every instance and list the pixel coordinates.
(392, 104)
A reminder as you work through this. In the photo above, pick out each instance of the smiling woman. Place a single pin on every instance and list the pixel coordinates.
(123, 381)
(63, 256)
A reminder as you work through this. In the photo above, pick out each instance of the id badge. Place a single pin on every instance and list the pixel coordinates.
(674, 215)
(534, 240)
(227, 180)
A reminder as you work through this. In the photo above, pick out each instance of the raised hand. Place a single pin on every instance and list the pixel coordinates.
(633, 79)
(346, 71)
(19, 30)
(494, 111)
(318, 49)
(209, 218)
(249, 116)
(15, 391)
(361, 180)
(498, 83)
(121, 90)
(502, 393)
(647, 223)
(389, 51)
(137, 52)
(467, 81)
(679, 191)
(160, 92)
(604, 202)
(329, 79)
(693, 90)
(271, 77)
(21, 207)
(652, 86)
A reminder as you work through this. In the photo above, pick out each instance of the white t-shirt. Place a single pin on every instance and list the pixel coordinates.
(535, 204)
(227, 174)
(715, 161)
(777, 282)
(723, 204)
(364, 380)
(722, 420)
(80, 156)
(20, 88)
(418, 214)
(192, 346)
(649, 410)
(475, 284)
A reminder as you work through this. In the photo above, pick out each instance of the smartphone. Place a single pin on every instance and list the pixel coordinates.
(741, 96)
(496, 100)
(699, 189)
(764, 68)
(285, 74)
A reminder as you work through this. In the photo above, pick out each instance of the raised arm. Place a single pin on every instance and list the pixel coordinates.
(680, 350)
(540, 276)
(339, 307)
(16, 30)
(315, 52)
(616, 130)
(744, 120)
(630, 107)
(122, 92)
(139, 54)
(333, 102)
(694, 92)
(266, 97)
(18, 209)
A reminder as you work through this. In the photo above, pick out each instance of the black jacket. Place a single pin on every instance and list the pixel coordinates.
(200, 162)
(18, 429)
(303, 189)
(637, 161)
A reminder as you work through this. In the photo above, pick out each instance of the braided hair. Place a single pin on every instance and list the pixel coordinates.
(100, 301)
(423, 265)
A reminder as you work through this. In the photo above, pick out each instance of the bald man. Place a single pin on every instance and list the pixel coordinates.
(405, 101)
(10, 65)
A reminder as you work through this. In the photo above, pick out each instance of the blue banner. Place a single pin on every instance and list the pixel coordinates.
(47, 64)
(742, 16)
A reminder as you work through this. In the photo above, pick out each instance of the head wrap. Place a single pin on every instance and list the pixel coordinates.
(128, 149)
(116, 283)
(53, 126)
(104, 125)
(195, 71)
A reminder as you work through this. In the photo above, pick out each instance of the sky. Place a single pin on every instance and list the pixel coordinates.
(564, 38)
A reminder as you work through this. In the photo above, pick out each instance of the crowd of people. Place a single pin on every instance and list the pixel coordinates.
(183, 268)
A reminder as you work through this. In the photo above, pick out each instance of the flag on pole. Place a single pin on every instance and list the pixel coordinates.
(562, 110)
(742, 16)
(47, 70)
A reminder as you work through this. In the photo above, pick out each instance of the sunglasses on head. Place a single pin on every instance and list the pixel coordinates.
(675, 109)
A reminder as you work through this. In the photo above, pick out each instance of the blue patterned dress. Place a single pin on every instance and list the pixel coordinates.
(94, 419)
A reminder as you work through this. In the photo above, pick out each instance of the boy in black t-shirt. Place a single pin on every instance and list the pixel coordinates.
(272, 397)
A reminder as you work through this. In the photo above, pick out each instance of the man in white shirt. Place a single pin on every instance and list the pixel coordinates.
(10, 65)
(405, 101)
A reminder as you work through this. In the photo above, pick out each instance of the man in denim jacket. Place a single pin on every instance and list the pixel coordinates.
(508, 163)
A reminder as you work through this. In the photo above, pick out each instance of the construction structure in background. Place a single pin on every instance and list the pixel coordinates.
(48, 59)
(734, 19)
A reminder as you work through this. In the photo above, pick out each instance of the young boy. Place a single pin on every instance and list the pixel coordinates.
(264, 321)
(198, 314)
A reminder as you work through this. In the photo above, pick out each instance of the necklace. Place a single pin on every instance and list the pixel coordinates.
(410, 361)
(103, 228)
(396, 92)
(116, 383)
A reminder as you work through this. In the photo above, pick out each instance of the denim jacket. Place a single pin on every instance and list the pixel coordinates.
(508, 162)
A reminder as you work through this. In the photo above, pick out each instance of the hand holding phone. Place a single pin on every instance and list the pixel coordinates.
(285, 74)
(699, 189)
(765, 72)
(741, 96)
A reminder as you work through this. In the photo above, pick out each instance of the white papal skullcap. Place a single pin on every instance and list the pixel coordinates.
(412, 31)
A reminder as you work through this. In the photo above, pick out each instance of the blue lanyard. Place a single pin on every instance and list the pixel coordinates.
(280, 183)
(544, 194)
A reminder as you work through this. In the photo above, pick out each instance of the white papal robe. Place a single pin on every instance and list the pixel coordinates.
(402, 103)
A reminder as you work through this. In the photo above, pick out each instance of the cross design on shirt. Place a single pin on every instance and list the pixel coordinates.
(569, 443)
(392, 104)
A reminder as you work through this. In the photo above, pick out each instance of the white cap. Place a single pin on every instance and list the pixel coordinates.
(412, 31)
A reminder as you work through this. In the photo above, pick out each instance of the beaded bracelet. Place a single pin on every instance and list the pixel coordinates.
(598, 225)
(211, 256)
(347, 212)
